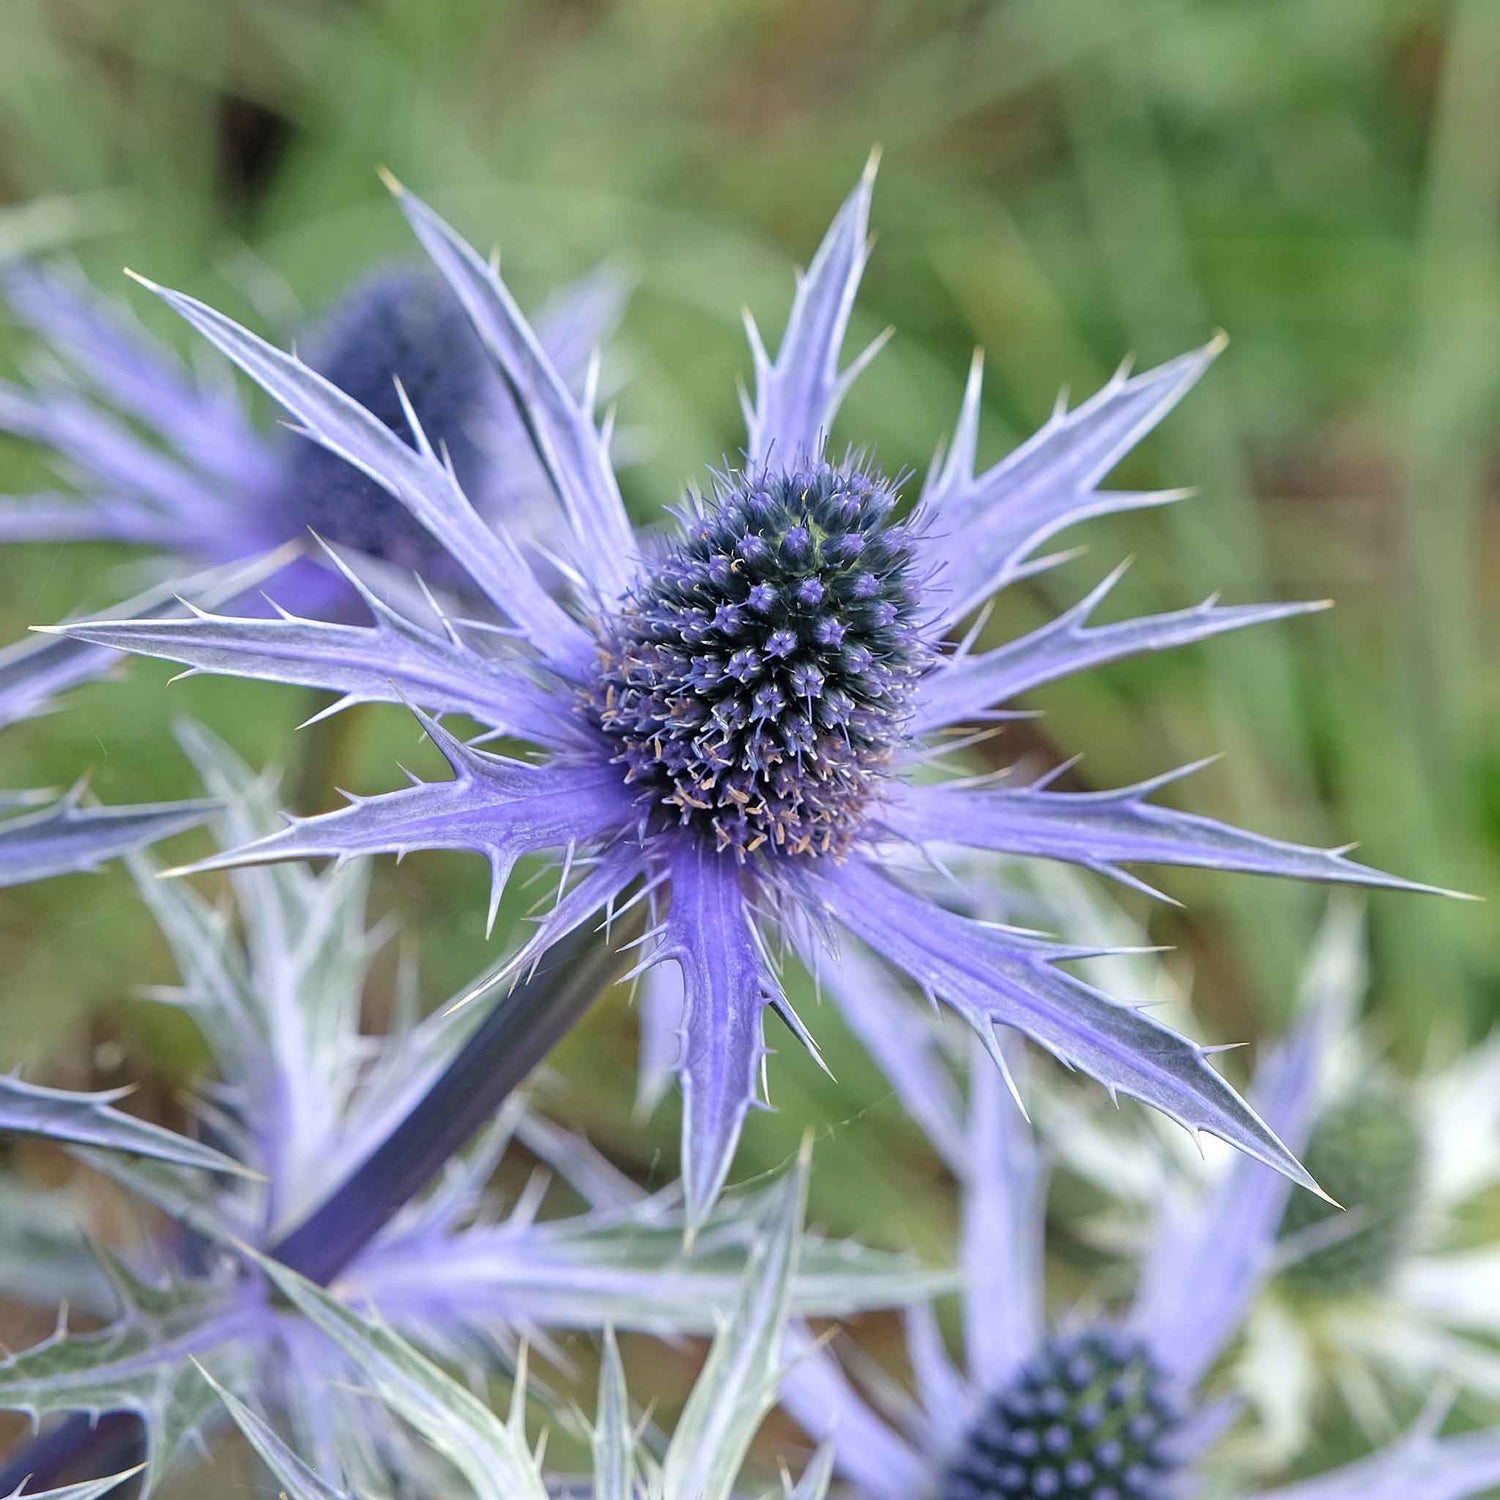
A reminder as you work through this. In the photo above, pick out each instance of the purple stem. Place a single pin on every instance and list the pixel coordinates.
(77, 1449)
(516, 1035)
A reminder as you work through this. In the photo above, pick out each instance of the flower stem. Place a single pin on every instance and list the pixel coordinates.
(517, 1034)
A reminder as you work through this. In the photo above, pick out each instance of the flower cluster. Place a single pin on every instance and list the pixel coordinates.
(758, 682)
(743, 736)
(747, 718)
(165, 458)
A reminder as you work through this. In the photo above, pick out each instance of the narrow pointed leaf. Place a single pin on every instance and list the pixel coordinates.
(816, 1477)
(1001, 1246)
(298, 1481)
(570, 447)
(1208, 1261)
(479, 1445)
(738, 1384)
(84, 1119)
(997, 978)
(625, 1268)
(90, 1489)
(797, 396)
(52, 516)
(614, 1439)
(117, 458)
(139, 1364)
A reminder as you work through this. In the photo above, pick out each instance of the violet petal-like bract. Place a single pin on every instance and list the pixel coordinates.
(1001, 1244)
(724, 986)
(987, 527)
(968, 686)
(393, 659)
(1103, 830)
(797, 394)
(415, 476)
(997, 978)
(90, 1119)
(69, 837)
(574, 452)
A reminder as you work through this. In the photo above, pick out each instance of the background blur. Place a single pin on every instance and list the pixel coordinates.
(1064, 182)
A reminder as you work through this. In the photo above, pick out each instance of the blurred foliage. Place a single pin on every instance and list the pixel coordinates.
(1064, 181)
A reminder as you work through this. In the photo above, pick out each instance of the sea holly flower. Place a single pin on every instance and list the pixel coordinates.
(494, 1459)
(164, 456)
(1124, 1405)
(297, 1130)
(1370, 1306)
(746, 716)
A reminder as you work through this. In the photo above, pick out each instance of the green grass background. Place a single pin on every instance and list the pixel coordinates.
(1064, 182)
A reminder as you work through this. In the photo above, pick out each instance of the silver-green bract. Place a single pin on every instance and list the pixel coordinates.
(92, 1489)
(494, 1458)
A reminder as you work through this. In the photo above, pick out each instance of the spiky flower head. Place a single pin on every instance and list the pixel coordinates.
(1110, 1407)
(162, 457)
(1331, 1319)
(758, 681)
(745, 721)
(1089, 1414)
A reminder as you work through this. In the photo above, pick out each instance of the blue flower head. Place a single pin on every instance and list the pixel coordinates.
(1368, 1305)
(162, 458)
(743, 720)
(759, 681)
(1108, 1407)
